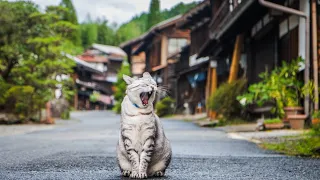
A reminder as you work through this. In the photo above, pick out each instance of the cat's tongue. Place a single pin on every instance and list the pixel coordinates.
(144, 98)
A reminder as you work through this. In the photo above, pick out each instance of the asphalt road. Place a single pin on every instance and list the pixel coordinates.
(86, 150)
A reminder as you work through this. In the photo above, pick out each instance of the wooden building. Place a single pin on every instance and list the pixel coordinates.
(159, 49)
(96, 71)
(84, 84)
(137, 62)
(252, 36)
(191, 71)
(229, 39)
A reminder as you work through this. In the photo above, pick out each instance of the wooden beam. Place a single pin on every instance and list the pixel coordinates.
(199, 24)
(214, 84)
(208, 87)
(76, 97)
(235, 59)
(315, 55)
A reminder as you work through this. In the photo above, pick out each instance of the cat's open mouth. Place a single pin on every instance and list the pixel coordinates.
(144, 96)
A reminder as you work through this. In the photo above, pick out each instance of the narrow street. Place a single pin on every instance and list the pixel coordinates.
(85, 149)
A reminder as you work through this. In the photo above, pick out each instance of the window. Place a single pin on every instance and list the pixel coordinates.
(175, 45)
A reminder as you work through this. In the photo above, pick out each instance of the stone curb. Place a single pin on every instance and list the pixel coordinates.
(239, 137)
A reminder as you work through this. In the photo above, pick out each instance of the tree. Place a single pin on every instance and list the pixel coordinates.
(126, 32)
(105, 33)
(71, 16)
(154, 16)
(101, 31)
(32, 53)
(139, 24)
(121, 86)
(12, 33)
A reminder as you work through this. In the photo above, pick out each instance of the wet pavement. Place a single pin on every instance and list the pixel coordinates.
(86, 150)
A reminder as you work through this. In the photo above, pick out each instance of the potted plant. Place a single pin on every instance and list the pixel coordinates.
(291, 103)
(275, 123)
(282, 86)
(316, 117)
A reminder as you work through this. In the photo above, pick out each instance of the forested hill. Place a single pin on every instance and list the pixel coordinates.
(100, 31)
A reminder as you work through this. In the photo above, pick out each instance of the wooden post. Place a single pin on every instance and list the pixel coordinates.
(235, 59)
(76, 97)
(49, 119)
(76, 100)
(208, 87)
(214, 84)
(315, 55)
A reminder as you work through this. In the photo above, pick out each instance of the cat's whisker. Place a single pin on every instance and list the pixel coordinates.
(162, 90)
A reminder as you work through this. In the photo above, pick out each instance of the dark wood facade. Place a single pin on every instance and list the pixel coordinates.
(191, 71)
(266, 41)
(269, 38)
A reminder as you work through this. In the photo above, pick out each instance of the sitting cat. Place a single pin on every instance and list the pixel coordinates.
(143, 149)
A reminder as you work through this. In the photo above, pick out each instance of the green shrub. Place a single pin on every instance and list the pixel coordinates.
(224, 100)
(94, 97)
(65, 114)
(272, 121)
(316, 114)
(164, 107)
(315, 130)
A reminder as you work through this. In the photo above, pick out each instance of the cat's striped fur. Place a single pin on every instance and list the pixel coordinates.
(143, 149)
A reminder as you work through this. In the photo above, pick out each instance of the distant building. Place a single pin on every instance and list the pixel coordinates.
(96, 71)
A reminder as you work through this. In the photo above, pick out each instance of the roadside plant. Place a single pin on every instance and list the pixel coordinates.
(281, 86)
(224, 100)
(272, 121)
(316, 114)
(94, 97)
(165, 107)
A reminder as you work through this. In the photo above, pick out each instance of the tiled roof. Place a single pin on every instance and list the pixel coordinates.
(109, 49)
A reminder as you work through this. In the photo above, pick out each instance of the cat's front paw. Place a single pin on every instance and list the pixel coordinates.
(159, 174)
(126, 173)
(134, 175)
(143, 175)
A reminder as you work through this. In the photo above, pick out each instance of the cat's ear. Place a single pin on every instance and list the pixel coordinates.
(146, 75)
(127, 79)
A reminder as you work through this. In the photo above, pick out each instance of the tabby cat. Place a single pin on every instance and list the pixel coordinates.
(143, 149)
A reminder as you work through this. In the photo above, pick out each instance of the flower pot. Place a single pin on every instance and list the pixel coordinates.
(291, 111)
(274, 126)
(297, 121)
(315, 121)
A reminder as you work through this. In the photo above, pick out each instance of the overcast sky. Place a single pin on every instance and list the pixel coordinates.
(118, 11)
